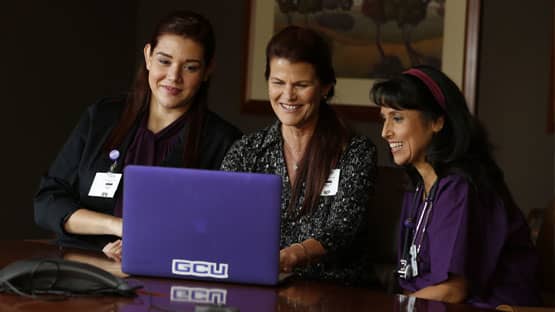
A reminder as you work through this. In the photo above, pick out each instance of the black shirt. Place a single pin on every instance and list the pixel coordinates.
(64, 188)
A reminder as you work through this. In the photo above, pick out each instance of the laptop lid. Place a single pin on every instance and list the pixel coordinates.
(201, 224)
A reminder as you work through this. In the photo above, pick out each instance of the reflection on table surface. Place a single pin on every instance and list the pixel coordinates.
(162, 294)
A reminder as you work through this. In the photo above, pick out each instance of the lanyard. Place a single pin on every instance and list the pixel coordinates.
(409, 225)
(408, 264)
(114, 155)
(417, 236)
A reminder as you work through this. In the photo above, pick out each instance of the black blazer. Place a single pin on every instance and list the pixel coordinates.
(65, 187)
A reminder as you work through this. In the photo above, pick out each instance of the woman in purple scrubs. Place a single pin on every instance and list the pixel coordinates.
(462, 238)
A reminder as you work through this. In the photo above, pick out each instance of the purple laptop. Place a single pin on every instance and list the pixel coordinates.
(201, 224)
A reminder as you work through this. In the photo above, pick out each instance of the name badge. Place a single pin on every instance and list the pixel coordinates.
(332, 183)
(105, 184)
(413, 260)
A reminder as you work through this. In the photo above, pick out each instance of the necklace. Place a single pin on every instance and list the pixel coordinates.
(289, 154)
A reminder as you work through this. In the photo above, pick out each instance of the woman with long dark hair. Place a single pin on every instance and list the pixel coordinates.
(163, 121)
(462, 238)
(327, 172)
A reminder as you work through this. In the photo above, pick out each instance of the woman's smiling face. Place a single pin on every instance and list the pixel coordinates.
(295, 92)
(176, 69)
(408, 134)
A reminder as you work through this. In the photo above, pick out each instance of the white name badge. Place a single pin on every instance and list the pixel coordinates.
(332, 183)
(413, 260)
(105, 184)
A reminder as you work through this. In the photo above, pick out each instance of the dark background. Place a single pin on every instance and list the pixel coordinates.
(60, 56)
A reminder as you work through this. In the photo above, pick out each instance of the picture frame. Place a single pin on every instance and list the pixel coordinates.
(459, 60)
(550, 128)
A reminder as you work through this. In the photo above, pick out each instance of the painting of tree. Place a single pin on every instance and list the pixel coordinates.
(371, 38)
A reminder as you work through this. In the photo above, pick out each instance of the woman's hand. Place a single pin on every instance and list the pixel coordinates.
(300, 254)
(293, 256)
(453, 290)
(113, 250)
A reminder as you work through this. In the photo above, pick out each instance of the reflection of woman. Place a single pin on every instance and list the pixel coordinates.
(406, 303)
(463, 239)
(163, 121)
(327, 173)
(302, 296)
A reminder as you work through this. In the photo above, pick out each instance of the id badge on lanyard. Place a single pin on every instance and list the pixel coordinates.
(408, 265)
(413, 260)
(105, 184)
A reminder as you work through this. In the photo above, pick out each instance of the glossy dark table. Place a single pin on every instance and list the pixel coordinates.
(160, 294)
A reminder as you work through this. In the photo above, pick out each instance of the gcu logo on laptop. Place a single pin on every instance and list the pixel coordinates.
(198, 295)
(199, 268)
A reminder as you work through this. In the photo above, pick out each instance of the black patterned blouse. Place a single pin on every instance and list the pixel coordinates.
(339, 222)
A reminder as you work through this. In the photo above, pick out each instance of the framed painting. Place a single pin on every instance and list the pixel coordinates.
(370, 39)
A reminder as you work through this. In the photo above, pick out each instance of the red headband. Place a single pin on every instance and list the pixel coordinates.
(430, 83)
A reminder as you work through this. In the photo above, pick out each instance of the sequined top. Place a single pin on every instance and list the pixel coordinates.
(338, 223)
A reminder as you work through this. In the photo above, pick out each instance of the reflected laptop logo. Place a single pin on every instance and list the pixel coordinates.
(198, 295)
(200, 268)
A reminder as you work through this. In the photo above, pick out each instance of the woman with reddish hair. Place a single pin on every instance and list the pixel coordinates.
(327, 172)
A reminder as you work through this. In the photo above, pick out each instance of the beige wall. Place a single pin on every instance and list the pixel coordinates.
(514, 94)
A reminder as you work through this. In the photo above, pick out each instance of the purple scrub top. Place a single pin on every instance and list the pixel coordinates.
(472, 233)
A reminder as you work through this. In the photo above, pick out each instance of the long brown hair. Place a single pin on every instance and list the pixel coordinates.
(331, 136)
(186, 24)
